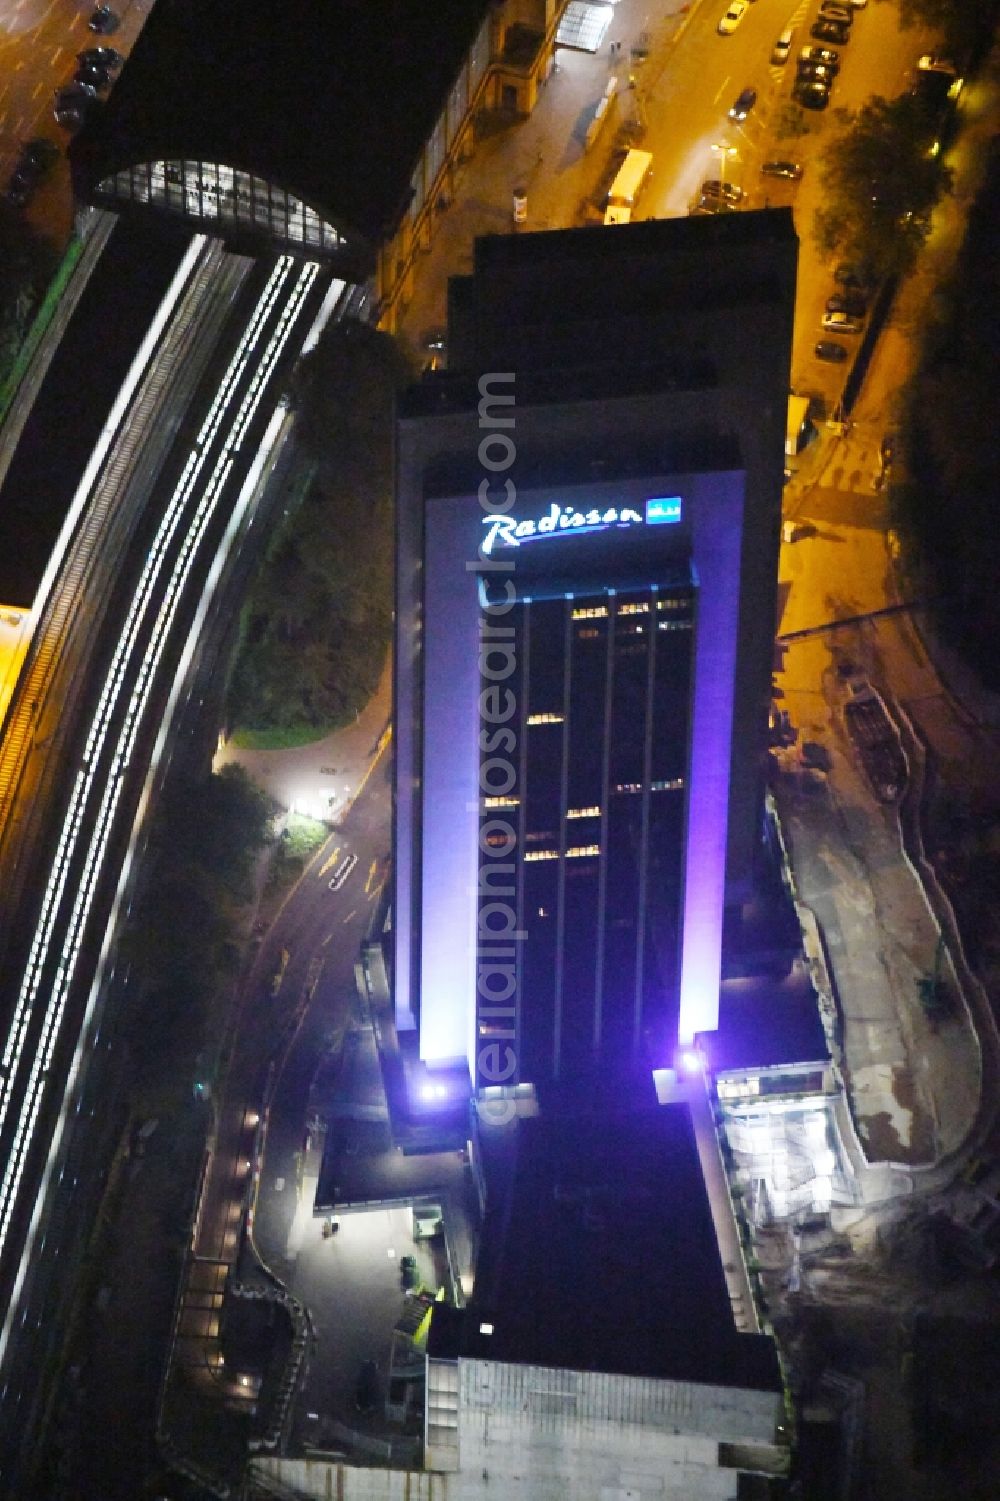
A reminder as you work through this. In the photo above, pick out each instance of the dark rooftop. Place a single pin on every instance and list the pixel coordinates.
(766, 1023)
(541, 298)
(332, 102)
(600, 1254)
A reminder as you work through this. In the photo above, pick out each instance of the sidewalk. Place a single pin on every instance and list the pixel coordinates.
(323, 777)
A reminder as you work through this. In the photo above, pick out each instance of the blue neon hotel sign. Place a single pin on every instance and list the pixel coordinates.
(514, 531)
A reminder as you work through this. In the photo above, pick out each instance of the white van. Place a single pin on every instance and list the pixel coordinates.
(625, 189)
(782, 47)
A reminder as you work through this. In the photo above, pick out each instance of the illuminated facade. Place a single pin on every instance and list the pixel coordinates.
(584, 627)
(211, 195)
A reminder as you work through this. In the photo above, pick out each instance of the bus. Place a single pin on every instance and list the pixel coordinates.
(625, 189)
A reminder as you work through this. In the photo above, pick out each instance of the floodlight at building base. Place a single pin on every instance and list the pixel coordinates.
(435, 1092)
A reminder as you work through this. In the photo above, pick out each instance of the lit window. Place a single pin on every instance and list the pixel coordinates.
(672, 603)
(671, 785)
(538, 836)
(629, 787)
(591, 612)
(675, 625)
(588, 633)
(593, 812)
(578, 851)
(545, 719)
(501, 802)
(498, 840)
(636, 608)
(541, 855)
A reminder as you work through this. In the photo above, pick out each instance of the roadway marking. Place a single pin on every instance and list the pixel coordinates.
(722, 89)
(371, 872)
(332, 861)
(353, 913)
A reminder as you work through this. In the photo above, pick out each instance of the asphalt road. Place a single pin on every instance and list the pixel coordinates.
(322, 931)
(39, 40)
(321, 928)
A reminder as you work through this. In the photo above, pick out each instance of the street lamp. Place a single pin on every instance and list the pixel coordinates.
(724, 152)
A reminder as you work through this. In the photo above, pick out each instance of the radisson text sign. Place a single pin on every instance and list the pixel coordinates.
(513, 531)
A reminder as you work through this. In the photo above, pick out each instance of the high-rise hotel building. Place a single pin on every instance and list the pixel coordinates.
(588, 524)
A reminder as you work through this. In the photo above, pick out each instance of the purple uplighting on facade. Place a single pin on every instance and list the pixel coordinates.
(717, 539)
(450, 792)
(705, 535)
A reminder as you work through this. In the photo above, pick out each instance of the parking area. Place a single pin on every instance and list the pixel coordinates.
(369, 1277)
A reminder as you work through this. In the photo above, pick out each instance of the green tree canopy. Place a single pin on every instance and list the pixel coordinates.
(882, 181)
(27, 262)
(966, 26)
(946, 511)
(316, 625)
(181, 938)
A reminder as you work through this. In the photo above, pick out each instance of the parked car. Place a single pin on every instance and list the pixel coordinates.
(840, 323)
(18, 190)
(850, 300)
(831, 351)
(831, 31)
(791, 170)
(714, 188)
(832, 10)
(76, 90)
(816, 73)
(96, 77)
(408, 1273)
(103, 20)
(811, 94)
(41, 153)
(934, 62)
(32, 166)
(709, 205)
(366, 1393)
(847, 275)
(782, 47)
(73, 104)
(734, 15)
(100, 57)
(824, 55)
(743, 104)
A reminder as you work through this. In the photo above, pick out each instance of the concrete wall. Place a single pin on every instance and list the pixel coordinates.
(536, 1433)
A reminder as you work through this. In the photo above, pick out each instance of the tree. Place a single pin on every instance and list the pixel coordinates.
(966, 26)
(945, 508)
(883, 181)
(27, 262)
(790, 121)
(317, 624)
